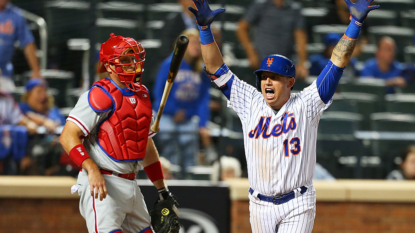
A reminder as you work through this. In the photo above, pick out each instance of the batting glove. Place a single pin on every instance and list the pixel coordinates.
(204, 15)
(360, 9)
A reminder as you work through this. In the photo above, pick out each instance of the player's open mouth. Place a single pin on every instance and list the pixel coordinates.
(269, 93)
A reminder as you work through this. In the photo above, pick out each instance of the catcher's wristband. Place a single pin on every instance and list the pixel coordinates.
(353, 30)
(206, 35)
(78, 154)
(154, 171)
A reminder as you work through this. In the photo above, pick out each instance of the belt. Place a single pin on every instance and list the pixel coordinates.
(279, 199)
(130, 176)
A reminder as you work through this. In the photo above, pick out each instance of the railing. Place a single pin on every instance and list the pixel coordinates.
(43, 34)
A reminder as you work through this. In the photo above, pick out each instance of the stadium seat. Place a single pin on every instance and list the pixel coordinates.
(339, 125)
(400, 103)
(408, 18)
(365, 103)
(313, 17)
(67, 19)
(154, 29)
(315, 48)
(124, 27)
(199, 172)
(320, 31)
(299, 84)
(393, 122)
(229, 31)
(366, 85)
(243, 3)
(368, 51)
(244, 72)
(341, 157)
(121, 10)
(160, 11)
(383, 17)
(396, 5)
(233, 12)
(409, 54)
(152, 63)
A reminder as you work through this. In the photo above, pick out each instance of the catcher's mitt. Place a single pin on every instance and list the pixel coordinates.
(165, 216)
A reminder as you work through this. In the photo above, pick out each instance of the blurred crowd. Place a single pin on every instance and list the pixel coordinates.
(30, 125)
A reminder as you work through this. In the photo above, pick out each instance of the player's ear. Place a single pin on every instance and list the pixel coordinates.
(107, 67)
(291, 82)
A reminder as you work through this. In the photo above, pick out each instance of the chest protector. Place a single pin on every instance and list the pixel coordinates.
(123, 135)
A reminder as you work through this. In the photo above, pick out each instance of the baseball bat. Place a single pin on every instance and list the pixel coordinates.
(176, 61)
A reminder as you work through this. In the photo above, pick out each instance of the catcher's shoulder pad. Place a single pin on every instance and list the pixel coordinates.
(99, 99)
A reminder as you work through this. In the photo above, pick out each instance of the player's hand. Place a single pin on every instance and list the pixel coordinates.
(97, 184)
(204, 15)
(360, 9)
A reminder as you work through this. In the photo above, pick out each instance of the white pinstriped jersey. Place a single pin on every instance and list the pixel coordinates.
(280, 147)
(88, 121)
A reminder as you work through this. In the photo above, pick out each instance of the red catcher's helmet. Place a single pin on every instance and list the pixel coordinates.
(127, 55)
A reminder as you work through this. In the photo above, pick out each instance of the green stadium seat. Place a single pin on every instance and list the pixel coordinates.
(244, 72)
(368, 51)
(366, 85)
(229, 31)
(400, 103)
(383, 17)
(409, 54)
(341, 157)
(315, 48)
(121, 10)
(339, 125)
(393, 122)
(408, 18)
(67, 19)
(199, 172)
(313, 16)
(301, 84)
(361, 103)
(154, 29)
(233, 12)
(159, 11)
(152, 63)
(319, 31)
(124, 27)
(396, 5)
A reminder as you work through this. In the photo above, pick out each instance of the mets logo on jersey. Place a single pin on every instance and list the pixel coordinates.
(261, 128)
(269, 61)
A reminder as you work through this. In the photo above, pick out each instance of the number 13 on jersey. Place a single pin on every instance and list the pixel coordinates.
(294, 144)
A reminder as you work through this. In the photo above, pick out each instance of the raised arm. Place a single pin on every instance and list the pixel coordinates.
(344, 49)
(329, 78)
(210, 51)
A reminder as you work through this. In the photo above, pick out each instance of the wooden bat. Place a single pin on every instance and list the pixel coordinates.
(176, 61)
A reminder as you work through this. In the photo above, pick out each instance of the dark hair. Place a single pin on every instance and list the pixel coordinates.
(406, 152)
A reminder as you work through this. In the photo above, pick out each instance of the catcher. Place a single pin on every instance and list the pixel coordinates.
(108, 134)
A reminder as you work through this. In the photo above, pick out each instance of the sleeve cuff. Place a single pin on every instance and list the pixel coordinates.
(80, 124)
(222, 80)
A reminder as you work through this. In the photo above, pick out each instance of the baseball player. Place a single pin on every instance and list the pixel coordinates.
(280, 128)
(108, 134)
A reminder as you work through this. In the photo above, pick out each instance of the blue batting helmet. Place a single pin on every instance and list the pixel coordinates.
(276, 64)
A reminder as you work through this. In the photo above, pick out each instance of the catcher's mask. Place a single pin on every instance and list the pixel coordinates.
(127, 57)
